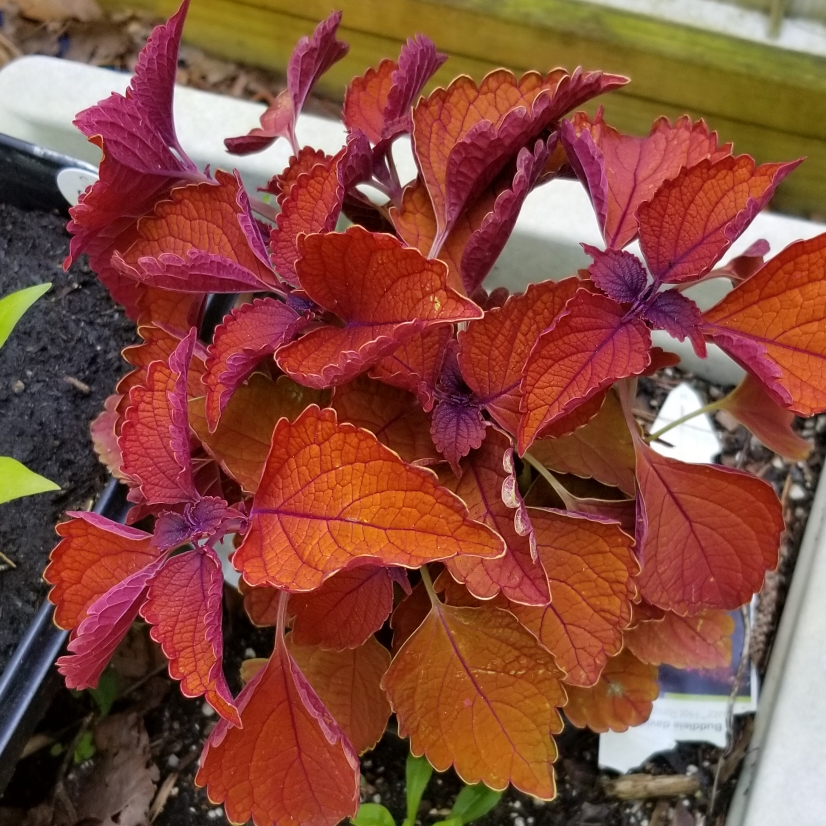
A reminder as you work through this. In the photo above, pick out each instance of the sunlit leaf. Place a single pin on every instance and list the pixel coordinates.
(17, 480)
(14, 306)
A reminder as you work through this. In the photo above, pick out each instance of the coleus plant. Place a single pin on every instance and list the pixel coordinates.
(397, 452)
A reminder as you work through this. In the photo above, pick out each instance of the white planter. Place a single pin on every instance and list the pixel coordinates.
(782, 780)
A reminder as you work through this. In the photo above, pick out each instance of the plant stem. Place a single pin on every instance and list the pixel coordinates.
(428, 584)
(541, 469)
(709, 408)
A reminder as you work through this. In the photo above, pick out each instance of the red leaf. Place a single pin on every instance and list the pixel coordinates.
(393, 416)
(703, 641)
(349, 684)
(314, 201)
(626, 170)
(104, 438)
(619, 274)
(310, 59)
(384, 292)
(515, 574)
(774, 324)
(590, 565)
(379, 102)
(622, 697)
(345, 611)
(247, 336)
(474, 689)
(464, 135)
(417, 364)
(379, 509)
(142, 158)
(752, 406)
(493, 350)
(692, 220)
(184, 605)
(290, 763)
(602, 449)
(106, 622)
(154, 439)
(93, 556)
(679, 316)
(591, 345)
(706, 535)
(261, 605)
(203, 239)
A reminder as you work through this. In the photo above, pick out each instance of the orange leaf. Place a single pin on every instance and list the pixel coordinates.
(475, 690)
(706, 534)
(384, 292)
(493, 350)
(290, 764)
(242, 441)
(366, 98)
(515, 574)
(154, 438)
(774, 323)
(408, 615)
(184, 606)
(602, 449)
(623, 696)
(590, 566)
(591, 345)
(751, 405)
(345, 611)
(261, 604)
(93, 555)
(417, 364)
(213, 218)
(703, 641)
(349, 684)
(307, 157)
(694, 218)
(333, 495)
(394, 416)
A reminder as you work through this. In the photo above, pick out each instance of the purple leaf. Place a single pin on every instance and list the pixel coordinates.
(457, 426)
(356, 164)
(203, 519)
(311, 57)
(588, 164)
(418, 62)
(487, 242)
(679, 316)
(617, 273)
(106, 623)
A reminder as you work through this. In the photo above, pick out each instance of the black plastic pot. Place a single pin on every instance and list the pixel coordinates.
(28, 179)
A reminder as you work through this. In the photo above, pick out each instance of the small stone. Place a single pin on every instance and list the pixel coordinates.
(820, 425)
(18, 387)
(778, 463)
(517, 804)
(376, 798)
(214, 814)
(172, 761)
(207, 710)
(519, 821)
(797, 493)
(249, 654)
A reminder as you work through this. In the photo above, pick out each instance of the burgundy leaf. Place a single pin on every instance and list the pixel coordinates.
(199, 520)
(679, 316)
(588, 164)
(310, 59)
(487, 242)
(617, 273)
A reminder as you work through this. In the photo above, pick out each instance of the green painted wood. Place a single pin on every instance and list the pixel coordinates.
(771, 102)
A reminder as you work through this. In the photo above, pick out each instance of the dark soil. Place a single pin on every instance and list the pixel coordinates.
(75, 332)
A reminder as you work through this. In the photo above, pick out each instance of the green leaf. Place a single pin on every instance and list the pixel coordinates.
(85, 749)
(474, 802)
(417, 772)
(13, 306)
(17, 480)
(106, 692)
(451, 821)
(373, 814)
